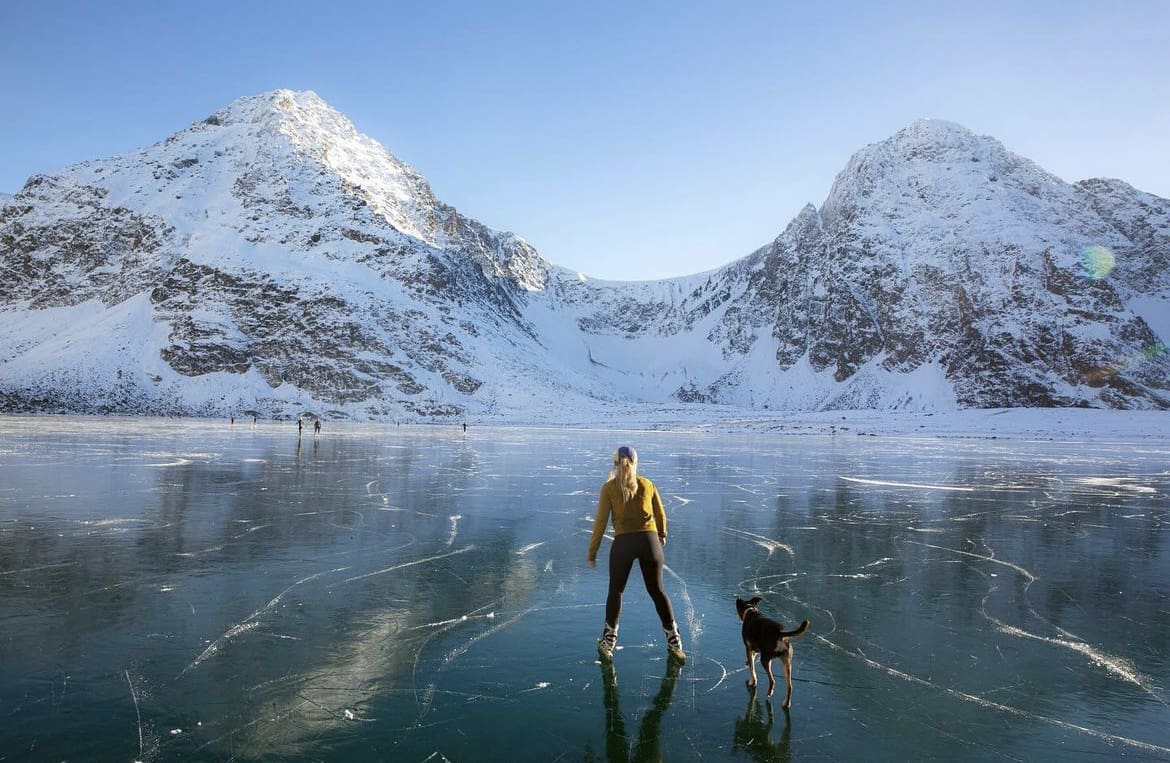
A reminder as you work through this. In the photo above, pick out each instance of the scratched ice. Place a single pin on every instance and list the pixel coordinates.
(194, 590)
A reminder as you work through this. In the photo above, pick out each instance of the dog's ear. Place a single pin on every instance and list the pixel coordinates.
(754, 601)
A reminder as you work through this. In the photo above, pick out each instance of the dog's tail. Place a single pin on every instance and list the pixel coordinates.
(790, 634)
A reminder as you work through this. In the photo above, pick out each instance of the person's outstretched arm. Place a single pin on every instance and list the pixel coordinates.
(599, 522)
(659, 515)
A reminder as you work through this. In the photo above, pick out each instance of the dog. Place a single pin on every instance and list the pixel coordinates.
(769, 639)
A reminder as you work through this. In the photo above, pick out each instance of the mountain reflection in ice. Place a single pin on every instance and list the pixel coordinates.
(174, 589)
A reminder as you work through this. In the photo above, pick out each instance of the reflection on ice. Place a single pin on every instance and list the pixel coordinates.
(412, 593)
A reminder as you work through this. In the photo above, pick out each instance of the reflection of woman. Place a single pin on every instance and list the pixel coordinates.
(647, 747)
(639, 529)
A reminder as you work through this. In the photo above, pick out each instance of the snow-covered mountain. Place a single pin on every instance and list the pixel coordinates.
(271, 258)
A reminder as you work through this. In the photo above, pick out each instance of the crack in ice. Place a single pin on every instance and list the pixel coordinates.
(1027, 575)
(769, 544)
(983, 702)
(919, 485)
(250, 622)
(463, 550)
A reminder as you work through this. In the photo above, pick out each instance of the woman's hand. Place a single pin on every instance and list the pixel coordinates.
(662, 540)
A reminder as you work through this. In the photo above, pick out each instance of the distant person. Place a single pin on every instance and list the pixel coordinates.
(317, 427)
(465, 426)
(639, 530)
(300, 427)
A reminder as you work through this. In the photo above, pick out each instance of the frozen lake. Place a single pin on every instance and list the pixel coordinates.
(190, 590)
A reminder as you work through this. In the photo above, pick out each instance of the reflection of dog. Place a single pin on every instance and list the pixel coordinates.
(770, 640)
(754, 734)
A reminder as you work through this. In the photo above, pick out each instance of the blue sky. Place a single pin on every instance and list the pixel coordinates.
(626, 140)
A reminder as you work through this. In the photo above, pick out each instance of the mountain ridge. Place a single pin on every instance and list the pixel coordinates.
(271, 257)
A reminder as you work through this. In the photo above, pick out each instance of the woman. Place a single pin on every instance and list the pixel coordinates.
(639, 529)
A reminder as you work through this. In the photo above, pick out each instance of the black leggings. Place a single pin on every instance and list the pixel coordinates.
(647, 549)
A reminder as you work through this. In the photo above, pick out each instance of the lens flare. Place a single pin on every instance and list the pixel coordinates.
(1098, 261)
(1155, 350)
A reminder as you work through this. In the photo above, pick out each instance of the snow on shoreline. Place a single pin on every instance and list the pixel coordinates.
(1049, 424)
(1075, 425)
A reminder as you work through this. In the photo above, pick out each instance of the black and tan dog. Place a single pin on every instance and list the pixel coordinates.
(770, 640)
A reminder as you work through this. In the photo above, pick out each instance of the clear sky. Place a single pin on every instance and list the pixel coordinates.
(627, 140)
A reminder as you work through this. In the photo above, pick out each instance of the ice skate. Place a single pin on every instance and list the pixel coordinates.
(674, 645)
(607, 644)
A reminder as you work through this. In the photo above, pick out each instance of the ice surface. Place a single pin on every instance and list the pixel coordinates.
(190, 589)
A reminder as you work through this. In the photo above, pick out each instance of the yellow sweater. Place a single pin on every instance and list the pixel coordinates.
(642, 513)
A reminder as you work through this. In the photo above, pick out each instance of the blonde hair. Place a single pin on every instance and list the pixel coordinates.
(625, 471)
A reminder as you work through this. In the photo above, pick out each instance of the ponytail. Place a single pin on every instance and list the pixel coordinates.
(625, 471)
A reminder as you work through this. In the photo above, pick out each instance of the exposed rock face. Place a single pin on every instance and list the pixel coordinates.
(62, 246)
(938, 248)
(1143, 222)
(272, 258)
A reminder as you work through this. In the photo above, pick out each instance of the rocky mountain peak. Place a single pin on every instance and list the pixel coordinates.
(938, 138)
(301, 118)
(806, 226)
(934, 152)
(283, 152)
(935, 179)
(273, 107)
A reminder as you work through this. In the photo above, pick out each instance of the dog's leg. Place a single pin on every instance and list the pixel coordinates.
(771, 678)
(786, 659)
(751, 663)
